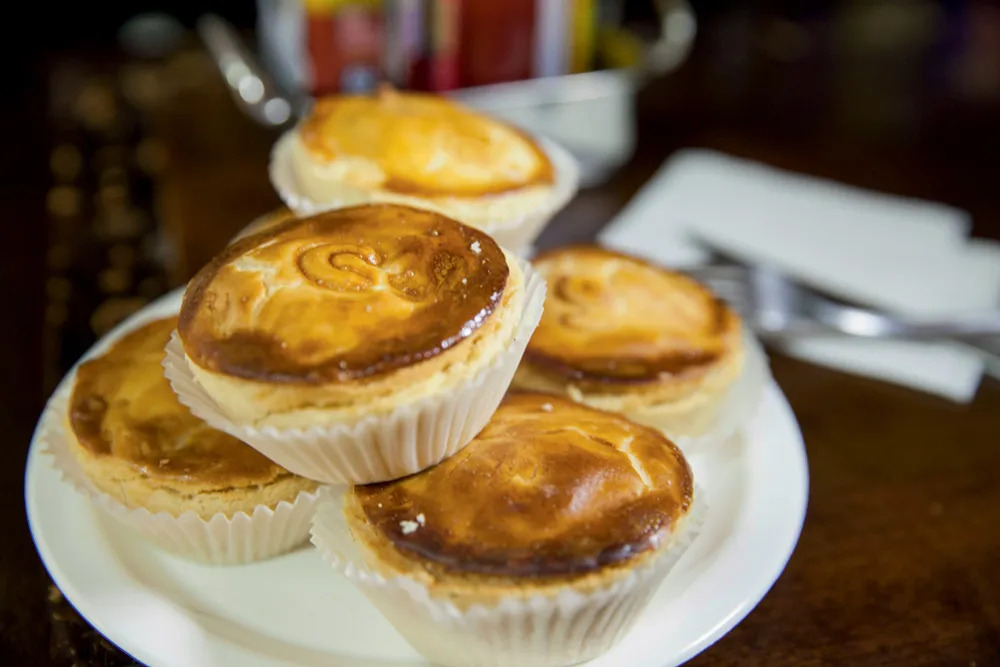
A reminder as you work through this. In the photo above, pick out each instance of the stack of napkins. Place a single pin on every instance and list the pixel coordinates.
(903, 255)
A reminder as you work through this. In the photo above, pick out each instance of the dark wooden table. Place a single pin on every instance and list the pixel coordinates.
(899, 560)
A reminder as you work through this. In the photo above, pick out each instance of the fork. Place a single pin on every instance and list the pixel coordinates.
(777, 306)
(773, 303)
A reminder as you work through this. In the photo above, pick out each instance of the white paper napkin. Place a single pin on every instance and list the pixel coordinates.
(904, 255)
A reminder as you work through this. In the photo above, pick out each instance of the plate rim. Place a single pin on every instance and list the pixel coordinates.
(749, 603)
(80, 597)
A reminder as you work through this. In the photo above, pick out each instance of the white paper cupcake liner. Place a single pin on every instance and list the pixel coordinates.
(220, 540)
(516, 233)
(539, 631)
(737, 407)
(702, 420)
(376, 448)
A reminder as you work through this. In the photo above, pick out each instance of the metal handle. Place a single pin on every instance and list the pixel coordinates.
(677, 32)
(256, 93)
(867, 323)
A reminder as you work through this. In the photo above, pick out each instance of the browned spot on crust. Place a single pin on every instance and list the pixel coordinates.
(123, 406)
(614, 319)
(343, 295)
(549, 488)
(426, 145)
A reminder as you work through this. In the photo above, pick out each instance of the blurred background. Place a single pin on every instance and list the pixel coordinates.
(128, 160)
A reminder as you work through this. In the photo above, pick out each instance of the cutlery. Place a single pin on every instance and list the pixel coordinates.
(777, 306)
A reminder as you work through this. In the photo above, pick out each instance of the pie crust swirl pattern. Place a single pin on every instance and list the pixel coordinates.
(344, 295)
(615, 319)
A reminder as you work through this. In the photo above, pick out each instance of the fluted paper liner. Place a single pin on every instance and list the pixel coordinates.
(538, 631)
(219, 540)
(702, 419)
(376, 448)
(737, 407)
(516, 233)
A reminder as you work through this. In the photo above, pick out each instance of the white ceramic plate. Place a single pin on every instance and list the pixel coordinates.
(294, 610)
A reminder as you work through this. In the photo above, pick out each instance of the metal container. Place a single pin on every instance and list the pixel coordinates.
(591, 114)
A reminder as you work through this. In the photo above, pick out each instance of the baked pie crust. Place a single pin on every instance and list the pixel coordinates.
(138, 444)
(625, 335)
(348, 313)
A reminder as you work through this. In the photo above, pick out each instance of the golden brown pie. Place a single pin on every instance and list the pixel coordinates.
(425, 151)
(348, 313)
(622, 334)
(550, 494)
(138, 444)
(539, 544)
